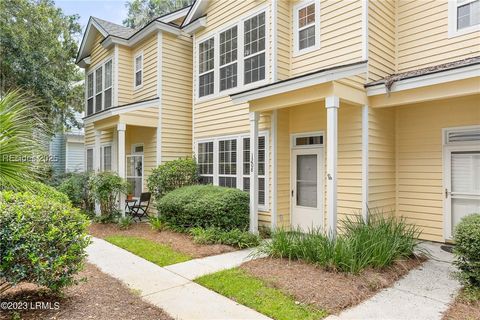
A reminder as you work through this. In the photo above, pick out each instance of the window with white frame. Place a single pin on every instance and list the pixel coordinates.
(306, 20)
(464, 16)
(108, 85)
(206, 50)
(100, 88)
(89, 159)
(228, 59)
(106, 158)
(205, 162)
(227, 163)
(261, 167)
(90, 94)
(254, 48)
(138, 70)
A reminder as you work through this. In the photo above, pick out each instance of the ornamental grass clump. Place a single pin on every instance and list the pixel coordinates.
(375, 243)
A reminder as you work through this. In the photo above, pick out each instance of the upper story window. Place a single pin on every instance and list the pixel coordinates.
(464, 17)
(138, 70)
(233, 57)
(100, 88)
(306, 19)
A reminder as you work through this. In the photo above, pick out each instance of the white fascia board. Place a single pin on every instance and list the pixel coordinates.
(427, 80)
(299, 83)
(198, 6)
(85, 62)
(175, 15)
(85, 40)
(119, 110)
(195, 26)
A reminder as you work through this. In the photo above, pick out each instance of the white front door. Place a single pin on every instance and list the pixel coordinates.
(307, 188)
(462, 185)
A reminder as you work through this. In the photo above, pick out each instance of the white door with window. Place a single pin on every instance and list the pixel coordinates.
(307, 188)
(135, 174)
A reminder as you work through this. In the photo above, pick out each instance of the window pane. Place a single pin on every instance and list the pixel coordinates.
(227, 157)
(206, 84)
(98, 80)
(254, 68)
(98, 102)
(254, 33)
(206, 58)
(228, 46)
(306, 16)
(139, 63)
(90, 85)
(138, 78)
(306, 37)
(307, 180)
(228, 77)
(107, 158)
(108, 74)
(90, 106)
(89, 159)
(230, 182)
(261, 167)
(312, 140)
(468, 15)
(205, 162)
(108, 98)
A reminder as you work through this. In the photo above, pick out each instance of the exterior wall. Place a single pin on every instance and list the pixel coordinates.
(148, 89)
(176, 109)
(99, 53)
(423, 36)
(125, 75)
(57, 148)
(147, 137)
(75, 157)
(419, 157)
(284, 38)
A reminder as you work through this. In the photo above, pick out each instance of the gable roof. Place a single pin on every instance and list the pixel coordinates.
(114, 29)
(197, 10)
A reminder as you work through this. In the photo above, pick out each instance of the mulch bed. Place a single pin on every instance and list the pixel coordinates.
(463, 310)
(177, 241)
(101, 297)
(330, 291)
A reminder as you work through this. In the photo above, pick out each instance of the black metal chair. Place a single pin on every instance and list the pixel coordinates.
(140, 208)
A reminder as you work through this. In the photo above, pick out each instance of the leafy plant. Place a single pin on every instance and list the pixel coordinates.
(172, 175)
(156, 223)
(125, 223)
(42, 241)
(75, 186)
(235, 237)
(44, 191)
(205, 206)
(467, 250)
(111, 217)
(141, 12)
(105, 188)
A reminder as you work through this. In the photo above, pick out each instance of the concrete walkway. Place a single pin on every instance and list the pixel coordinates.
(171, 288)
(424, 294)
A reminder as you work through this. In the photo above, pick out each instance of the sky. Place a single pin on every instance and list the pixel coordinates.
(111, 10)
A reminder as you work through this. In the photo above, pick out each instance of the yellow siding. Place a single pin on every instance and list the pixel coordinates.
(423, 36)
(283, 168)
(125, 75)
(147, 136)
(148, 89)
(284, 39)
(419, 157)
(99, 53)
(340, 37)
(381, 39)
(176, 97)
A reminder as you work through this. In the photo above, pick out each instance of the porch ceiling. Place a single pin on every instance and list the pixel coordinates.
(134, 118)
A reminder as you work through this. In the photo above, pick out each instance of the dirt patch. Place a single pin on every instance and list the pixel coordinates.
(330, 291)
(100, 297)
(461, 309)
(177, 241)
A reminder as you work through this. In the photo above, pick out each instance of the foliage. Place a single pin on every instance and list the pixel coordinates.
(467, 250)
(45, 191)
(237, 285)
(157, 253)
(21, 153)
(234, 237)
(156, 223)
(105, 188)
(105, 218)
(75, 186)
(42, 240)
(38, 50)
(172, 175)
(375, 243)
(125, 223)
(141, 12)
(205, 206)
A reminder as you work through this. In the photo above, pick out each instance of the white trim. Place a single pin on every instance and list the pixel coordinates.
(273, 148)
(115, 77)
(198, 5)
(365, 142)
(134, 145)
(159, 94)
(136, 55)
(297, 7)
(294, 136)
(446, 131)
(175, 15)
(101, 64)
(196, 26)
(471, 71)
(365, 29)
(102, 155)
(274, 24)
(299, 83)
(253, 119)
(452, 20)
(332, 104)
(119, 110)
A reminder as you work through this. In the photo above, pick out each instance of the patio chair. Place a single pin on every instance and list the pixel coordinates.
(140, 208)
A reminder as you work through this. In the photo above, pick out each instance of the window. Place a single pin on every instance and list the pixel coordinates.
(205, 162)
(261, 167)
(89, 159)
(254, 49)
(228, 59)
(227, 163)
(463, 135)
(464, 17)
(138, 70)
(106, 160)
(308, 140)
(206, 65)
(98, 89)
(90, 94)
(108, 85)
(306, 23)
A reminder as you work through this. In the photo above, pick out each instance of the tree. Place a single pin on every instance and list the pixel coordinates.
(37, 54)
(141, 12)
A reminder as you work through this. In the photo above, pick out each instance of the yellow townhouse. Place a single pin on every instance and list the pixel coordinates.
(321, 109)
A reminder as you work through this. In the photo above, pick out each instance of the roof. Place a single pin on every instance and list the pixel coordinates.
(391, 79)
(114, 29)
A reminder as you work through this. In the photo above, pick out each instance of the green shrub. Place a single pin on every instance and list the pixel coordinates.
(125, 223)
(234, 237)
(106, 187)
(42, 240)
(75, 186)
(205, 206)
(376, 243)
(467, 250)
(172, 175)
(44, 191)
(156, 223)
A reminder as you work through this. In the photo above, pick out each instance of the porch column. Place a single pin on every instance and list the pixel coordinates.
(121, 127)
(96, 163)
(332, 104)
(253, 172)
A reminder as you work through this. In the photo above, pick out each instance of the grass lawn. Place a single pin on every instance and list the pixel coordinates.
(236, 284)
(159, 254)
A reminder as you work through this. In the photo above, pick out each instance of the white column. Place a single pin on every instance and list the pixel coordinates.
(121, 127)
(365, 129)
(273, 129)
(253, 172)
(332, 104)
(96, 163)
